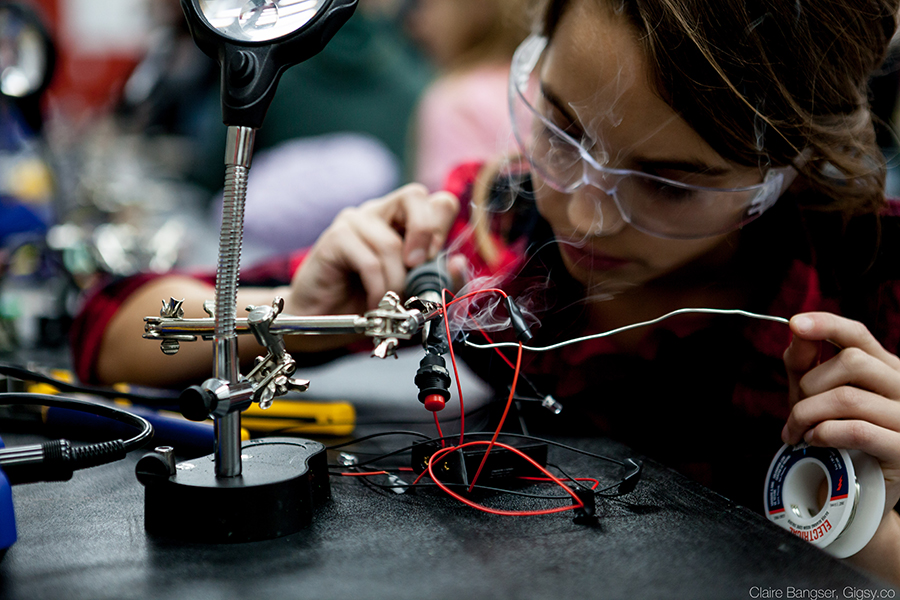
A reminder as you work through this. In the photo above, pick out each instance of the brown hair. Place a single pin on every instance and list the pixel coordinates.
(764, 80)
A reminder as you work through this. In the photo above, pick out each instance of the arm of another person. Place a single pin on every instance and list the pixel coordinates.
(850, 401)
(364, 253)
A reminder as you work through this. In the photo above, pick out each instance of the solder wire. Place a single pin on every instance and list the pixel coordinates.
(852, 509)
(602, 334)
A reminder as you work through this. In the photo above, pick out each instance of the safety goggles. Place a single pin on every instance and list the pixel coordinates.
(655, 205)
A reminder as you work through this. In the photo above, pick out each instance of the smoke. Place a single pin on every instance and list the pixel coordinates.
(485, 311)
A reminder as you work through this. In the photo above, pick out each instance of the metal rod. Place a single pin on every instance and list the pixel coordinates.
(238, 154)
(282, 325)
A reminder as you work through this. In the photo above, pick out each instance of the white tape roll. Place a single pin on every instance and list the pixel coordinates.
(829, 497)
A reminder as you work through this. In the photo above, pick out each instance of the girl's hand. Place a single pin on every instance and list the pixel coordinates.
(849, 401)
(367, 251)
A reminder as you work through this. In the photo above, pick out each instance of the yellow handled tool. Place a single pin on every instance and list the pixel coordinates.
(311, 418)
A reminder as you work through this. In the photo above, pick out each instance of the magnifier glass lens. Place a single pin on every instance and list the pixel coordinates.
(258, 20)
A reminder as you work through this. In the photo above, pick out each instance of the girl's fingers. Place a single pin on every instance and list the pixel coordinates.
(458, 268)
(845, 403)
(876, 441)
(375, 242)
(386, 245)
(843, 332)
(444, 207)
(853, 367)
(862, 361)
(422, 220)
(359, 257)
(800, 357)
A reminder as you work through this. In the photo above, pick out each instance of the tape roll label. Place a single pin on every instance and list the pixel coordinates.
(829, 457)
(842, 522)
(813, 533)
(817, 527)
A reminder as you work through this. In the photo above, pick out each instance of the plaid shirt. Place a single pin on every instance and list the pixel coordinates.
(705, 394)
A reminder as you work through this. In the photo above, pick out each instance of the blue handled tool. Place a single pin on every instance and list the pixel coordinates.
(7, 515)
(189, 438)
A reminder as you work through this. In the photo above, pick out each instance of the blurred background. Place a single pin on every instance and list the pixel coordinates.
(111, 137)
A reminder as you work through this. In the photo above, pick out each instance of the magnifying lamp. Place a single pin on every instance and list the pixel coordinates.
(264, 488)
(255, 41)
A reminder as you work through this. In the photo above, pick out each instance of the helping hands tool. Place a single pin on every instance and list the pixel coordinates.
(262, 488)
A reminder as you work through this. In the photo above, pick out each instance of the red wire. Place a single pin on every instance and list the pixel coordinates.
(421, 475)
(440, 433)
(462, 411)
(476, 292)
(441, 453)
(512, 392)
(445, 305)
(493, 442)
(453, 360)
(490, 341)
(366, 474)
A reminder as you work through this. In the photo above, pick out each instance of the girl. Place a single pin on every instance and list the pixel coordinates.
(655, 131)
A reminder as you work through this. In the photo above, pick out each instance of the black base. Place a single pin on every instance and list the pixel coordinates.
(283, 481)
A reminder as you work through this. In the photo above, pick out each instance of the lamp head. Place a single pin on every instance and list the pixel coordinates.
(254, 41)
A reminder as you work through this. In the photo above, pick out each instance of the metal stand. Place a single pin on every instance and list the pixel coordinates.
(238, 155)
(263, 488)
(283, 480)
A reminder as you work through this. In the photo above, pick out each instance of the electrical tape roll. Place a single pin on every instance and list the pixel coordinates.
(832, 498)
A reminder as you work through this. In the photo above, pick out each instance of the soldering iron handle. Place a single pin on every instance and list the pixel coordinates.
(427, 280)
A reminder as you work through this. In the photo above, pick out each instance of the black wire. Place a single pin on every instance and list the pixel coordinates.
(567, 477)
(477, 487)
(102, 410)
(377, 435)
(471, 434)
(164, 397)
(452, 485)
(383, 456)
(599, 492)
(544, 440)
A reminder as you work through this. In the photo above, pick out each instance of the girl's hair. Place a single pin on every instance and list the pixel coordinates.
(766, 81)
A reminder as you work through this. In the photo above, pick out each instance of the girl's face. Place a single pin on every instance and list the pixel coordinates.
(597, 86)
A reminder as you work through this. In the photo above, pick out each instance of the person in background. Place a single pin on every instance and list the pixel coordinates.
(366, 81)
(675, 154)
(463, 115)
(335, 133)
(173, 87)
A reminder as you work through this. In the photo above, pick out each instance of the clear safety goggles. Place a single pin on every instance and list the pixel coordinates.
(655, 205)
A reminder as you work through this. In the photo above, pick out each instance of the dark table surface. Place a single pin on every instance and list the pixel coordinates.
(669, 538)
